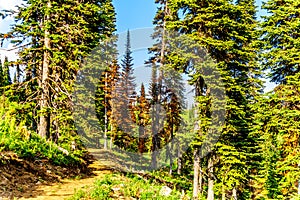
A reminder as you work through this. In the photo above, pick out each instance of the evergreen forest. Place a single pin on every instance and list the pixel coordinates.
(76, 122)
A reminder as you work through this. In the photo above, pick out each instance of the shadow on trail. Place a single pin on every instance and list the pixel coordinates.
(120, 161)
(23, 178)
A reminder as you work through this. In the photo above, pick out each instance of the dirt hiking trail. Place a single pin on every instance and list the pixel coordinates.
(67, 187)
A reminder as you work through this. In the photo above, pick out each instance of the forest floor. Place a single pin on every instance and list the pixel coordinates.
(67, 187)
(23, 179)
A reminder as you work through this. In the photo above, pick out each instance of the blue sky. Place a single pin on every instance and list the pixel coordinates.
(132, 14)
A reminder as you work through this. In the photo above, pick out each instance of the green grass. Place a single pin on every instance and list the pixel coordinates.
(116, 186)
(16, 137)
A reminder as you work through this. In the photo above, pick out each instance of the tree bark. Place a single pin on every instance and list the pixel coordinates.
(299, 182)
(299, 187)
(141, 145)
(223, 192)
(210, 191)
(196, 174)
(234, 194)
(44, 123)
(179, 164)
(172, 146)
(171, 158)
(196, 151)
(105, 114)
(200, 179)
(111, 138)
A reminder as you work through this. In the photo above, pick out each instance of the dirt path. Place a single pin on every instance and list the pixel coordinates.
(105, 163)
(67, 187)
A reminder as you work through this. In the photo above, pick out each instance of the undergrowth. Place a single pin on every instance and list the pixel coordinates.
(16, 137)
(119, 186)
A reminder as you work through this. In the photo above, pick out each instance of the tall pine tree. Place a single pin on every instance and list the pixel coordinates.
(280, 39)
(142, 112)
(53, 38)
(228, 31)
(126, 90)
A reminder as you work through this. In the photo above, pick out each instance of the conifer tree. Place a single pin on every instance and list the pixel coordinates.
(1, 74)
(128, 71)
(159, 51)
(280, 36)
(126, 89)
(142, 110)
(6, 73)
(52, 47)
(167, 91)
(173, 109)
(104, 97)
(154, 91)
(228, 31)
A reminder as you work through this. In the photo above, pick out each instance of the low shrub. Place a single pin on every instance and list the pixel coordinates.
(16, 137)
(118, 186)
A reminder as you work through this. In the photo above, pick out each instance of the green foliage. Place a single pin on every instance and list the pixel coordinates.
(227, 31)
(53, 38)
(257, 153)
(116, 186)
(16, 137)
(178, 181)
(6, 80)
(281, 39)
(278, 128)
(279, 118)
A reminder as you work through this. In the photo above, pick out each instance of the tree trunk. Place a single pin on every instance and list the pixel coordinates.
(155, 128)
(141, 145)
(234, 194)
(153, 160)
(55, 122)
(97, 140)
(223, 192)
(179, 164)
(155, 138)
(200, 179)
(299, 187)
(171, 167)
(105, 114)
(111, 127)
(44, 124)
(156, 122)
(110, 143)
(172, 146)
(171, 157)
(299, 183)
(210, 191)
(196, 174)
(196, 151)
